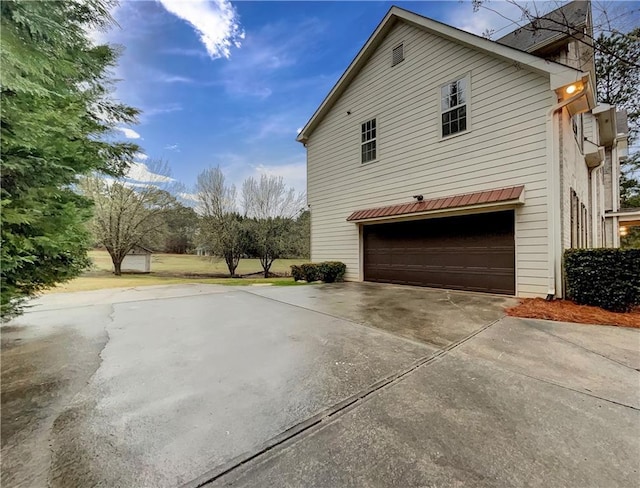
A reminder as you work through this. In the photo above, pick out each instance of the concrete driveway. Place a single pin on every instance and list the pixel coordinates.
(332, 385)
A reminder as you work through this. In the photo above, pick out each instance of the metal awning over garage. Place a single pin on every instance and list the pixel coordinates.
(501, 197)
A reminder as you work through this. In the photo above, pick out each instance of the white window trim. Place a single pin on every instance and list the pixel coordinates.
(377, 139)
(578, 135)
(467, 78)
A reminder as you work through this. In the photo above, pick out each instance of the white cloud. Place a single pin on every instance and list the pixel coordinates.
(168, 78)
(259, 68)
(191, 197)
(294, 174)
(141, 156)
(131, 184)
(274, 125)
(163, 109)
(172, 147)
(197, 53)
(238, 167)
(129, 133)
(141, 172)
(135, 184)
(216, 22)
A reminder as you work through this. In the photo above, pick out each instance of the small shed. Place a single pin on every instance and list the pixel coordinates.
(138, 260)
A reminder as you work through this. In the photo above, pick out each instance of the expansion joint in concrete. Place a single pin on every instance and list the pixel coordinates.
(318, 420)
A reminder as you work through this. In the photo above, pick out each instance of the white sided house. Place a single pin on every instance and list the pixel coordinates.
(444, 159)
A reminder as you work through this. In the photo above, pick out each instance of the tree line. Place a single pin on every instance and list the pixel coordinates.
(272, 223)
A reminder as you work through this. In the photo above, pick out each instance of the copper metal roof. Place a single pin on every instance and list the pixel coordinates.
(439, 204)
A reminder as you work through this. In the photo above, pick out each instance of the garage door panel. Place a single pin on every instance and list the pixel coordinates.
(501, 257)
(474, 252)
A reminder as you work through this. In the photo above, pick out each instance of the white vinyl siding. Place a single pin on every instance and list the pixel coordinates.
(507, 147)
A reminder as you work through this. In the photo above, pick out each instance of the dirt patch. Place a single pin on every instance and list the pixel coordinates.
(568, 311)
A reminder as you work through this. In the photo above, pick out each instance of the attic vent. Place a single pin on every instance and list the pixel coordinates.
(397, 55)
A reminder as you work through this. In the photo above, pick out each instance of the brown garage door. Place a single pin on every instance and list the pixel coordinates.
(470, 252)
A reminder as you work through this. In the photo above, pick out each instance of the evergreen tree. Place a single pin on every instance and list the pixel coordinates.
(57, 121)
(619, 85)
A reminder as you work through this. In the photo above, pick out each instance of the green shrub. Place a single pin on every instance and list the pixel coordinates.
(310, 272)
(296, 272)
(332, 271)
(328, 271)
(606, 278)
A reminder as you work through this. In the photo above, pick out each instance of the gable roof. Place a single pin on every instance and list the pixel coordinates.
(560, 74)
(139, 247)
(556, 27)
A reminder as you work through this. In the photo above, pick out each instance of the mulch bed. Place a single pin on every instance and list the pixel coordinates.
(568, 311)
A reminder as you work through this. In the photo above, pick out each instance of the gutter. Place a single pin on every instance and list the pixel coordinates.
(553, 185)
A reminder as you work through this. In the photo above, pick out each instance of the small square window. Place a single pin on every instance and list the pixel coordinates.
(368, 141)
(397, 55)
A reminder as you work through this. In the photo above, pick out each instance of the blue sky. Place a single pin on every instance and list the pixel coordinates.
(230, 83)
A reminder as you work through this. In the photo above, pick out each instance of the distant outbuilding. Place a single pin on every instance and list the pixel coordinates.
(137, 260)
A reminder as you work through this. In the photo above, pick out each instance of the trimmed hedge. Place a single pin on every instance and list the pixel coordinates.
(606, 278)
(296, 272)
(328, 271)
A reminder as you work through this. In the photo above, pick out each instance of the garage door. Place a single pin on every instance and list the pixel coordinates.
(470, 252)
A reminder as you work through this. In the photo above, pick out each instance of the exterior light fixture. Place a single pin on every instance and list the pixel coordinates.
(573, 88)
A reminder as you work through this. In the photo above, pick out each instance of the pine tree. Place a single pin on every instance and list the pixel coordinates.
(57, 122)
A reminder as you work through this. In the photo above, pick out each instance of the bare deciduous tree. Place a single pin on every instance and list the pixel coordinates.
(128, 213)
(222, 228)
(272, 206)
(269, 198)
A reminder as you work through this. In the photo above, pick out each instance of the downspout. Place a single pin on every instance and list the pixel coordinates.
(594, 222)
(553, 184)
(615, 198)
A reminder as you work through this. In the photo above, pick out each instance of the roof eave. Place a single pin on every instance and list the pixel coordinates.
(375, 38)
(560, 74)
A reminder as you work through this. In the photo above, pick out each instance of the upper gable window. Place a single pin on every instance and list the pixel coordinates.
(397, 54)
(454, 97)
(368, 141)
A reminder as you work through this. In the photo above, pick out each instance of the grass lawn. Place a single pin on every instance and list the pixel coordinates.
(170, 269)
(182, 264)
